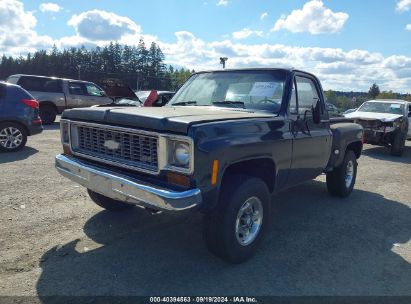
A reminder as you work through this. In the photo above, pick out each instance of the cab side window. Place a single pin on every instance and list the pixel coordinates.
(307, 94)
(41, 84)
(77, 88)
(93, 90)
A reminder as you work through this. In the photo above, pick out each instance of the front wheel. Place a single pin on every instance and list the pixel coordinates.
(108, 203)
(234, 229)
(13, 137)
(398, 144)
(340, 181)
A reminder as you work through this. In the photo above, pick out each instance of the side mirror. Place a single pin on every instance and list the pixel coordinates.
(316, 109)
(409, 114)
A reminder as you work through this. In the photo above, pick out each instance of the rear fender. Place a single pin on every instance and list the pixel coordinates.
(346, 136)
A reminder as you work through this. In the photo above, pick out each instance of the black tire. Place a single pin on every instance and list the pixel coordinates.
(398, 144)
(337, 182)
(108, 203)
(47, 114)
(20, 138)
(220, 224)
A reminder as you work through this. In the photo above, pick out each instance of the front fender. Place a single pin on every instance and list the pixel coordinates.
(231, 142)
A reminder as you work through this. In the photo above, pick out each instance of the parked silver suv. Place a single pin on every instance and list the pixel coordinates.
(57, 94)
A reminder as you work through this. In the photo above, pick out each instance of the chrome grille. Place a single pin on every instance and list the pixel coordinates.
(369, 124)
(130, 149)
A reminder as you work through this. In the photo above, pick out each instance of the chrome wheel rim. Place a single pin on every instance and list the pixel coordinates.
(249, 221)
(349, 174)
(10, 138)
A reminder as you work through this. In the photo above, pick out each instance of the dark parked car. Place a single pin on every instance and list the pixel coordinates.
(224, 143)
(19, 117)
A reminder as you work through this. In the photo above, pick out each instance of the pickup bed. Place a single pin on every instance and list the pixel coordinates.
(225, 142)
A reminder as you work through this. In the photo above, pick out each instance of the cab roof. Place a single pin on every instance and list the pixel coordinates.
(41, 76)
(389, 100)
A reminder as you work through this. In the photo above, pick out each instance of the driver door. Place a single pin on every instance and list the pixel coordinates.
(311, 141)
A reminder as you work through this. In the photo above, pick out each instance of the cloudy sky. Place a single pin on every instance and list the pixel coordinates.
(349, 43)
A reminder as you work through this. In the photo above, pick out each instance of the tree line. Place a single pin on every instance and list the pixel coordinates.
(351, 100)
(138, 66)
(141, 68)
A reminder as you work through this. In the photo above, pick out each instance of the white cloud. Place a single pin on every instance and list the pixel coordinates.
(49, 7)
(103, 26)
(245, 33)
(408, 27)
(352, 70)
(222, 3)
(338, 69)
(403, 5)
(263, 15)
(17, 34)
(313, 18)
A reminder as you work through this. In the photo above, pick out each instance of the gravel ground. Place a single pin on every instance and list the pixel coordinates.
(55, 241)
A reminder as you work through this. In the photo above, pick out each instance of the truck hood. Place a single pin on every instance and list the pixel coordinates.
(170, 119)
(384, 117)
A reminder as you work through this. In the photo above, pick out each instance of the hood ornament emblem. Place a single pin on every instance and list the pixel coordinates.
(112, 145)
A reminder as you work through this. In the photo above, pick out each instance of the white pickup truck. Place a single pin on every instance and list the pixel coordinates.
(386, 122)
(57, 94)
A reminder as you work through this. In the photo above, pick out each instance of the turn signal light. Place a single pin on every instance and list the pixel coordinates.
(214, 172)
(178, 179)
(66, 150)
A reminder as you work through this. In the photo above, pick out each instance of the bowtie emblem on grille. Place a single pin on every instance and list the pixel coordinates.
(112, 145)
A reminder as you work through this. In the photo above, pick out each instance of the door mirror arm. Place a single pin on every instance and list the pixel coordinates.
(316, 110)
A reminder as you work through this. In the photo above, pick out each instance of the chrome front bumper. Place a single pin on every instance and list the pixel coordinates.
(126, 189)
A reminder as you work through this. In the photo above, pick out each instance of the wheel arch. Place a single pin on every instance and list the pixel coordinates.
(263, 168)
(17, 122)
(48, 103)
(356, 147)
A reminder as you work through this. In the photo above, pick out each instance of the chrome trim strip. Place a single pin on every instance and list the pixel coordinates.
(126, 189)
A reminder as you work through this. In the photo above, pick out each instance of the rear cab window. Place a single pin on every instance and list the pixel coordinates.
(41, 84)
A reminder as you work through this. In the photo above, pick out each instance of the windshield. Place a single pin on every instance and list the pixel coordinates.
(142, 95)
(126, 101)
(382, 107)
(257, 90)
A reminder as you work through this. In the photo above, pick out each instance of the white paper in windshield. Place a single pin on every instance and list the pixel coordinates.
(263, 89)
(395, 106)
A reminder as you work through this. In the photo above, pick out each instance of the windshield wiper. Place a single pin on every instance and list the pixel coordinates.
(184, 103)
(229, 102)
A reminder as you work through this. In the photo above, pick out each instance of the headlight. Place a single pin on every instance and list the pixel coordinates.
(397, 123)
(176, 154)
(64, 130)
(182, 154)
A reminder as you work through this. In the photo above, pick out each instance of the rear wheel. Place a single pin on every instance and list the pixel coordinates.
(398, 144)
(236, 227)
(340, 181)
(13, 137)
(47, 114)
(108, 203)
